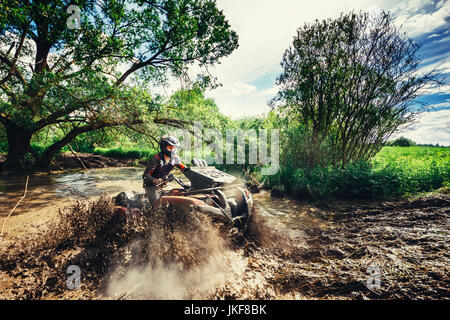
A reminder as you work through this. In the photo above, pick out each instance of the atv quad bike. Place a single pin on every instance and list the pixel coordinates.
(211, 191)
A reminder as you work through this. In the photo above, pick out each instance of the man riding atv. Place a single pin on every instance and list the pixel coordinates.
(211, 191)
(155, 175)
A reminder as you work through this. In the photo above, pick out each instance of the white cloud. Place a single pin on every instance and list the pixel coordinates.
(434, 35)
(412, 5)
(271, 92)
(442, 104)
(445, 89)
(433, 127)
(436, 58)
(235, 89)
(415, 22)
(266, 30)
(441, 3)
(447, 39)
(441, 67)
(241, 106)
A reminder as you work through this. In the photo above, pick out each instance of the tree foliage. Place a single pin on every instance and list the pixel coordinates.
(98, 76)
(351, 82)
(402, 142)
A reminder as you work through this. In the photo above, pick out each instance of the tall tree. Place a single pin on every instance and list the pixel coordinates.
(351, 81)
(81, 77)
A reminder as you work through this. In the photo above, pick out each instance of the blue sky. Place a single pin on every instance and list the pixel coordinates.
(266, 29)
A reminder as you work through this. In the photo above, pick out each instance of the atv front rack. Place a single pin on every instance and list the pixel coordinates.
(231, 186)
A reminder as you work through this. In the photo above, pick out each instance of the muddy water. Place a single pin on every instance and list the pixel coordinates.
(48, 192)
(287, 213)
(48, 187)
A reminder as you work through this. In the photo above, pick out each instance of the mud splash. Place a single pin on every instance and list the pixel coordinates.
(169, 253)
(178, 254)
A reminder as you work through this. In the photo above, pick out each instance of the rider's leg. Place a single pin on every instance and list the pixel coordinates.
(152, 193)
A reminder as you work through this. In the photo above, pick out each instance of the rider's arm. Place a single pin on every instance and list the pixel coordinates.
(149, 170)
(181, 166)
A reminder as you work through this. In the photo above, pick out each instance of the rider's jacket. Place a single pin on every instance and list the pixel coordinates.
(159, 168)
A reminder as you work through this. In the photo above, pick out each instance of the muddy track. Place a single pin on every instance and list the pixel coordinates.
(406, 241)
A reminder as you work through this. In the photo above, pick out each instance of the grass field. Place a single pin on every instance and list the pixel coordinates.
(394, 172)
(419, 168)
(416, 157)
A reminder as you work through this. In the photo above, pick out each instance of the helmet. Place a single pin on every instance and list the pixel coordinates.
(168, 141)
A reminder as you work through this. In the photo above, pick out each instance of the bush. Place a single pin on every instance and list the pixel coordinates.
(126, 153)
(402, 142)
(4, 147)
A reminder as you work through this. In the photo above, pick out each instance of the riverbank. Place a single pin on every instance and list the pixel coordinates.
(68, 162)
(90, 161)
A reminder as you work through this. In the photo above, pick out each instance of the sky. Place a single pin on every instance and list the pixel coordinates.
(266, 29)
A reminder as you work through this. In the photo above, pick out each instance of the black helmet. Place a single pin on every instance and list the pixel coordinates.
(168, 141)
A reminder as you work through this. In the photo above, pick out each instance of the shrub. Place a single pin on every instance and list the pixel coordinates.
(126, 153)
(402, 142)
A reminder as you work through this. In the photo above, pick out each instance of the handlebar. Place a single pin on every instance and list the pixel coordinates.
(170, 177)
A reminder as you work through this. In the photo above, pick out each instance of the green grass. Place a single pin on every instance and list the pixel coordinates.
(415, 157)
(419, 169)
(393, 173)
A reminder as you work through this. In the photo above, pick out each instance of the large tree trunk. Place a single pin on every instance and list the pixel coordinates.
(19, 148)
